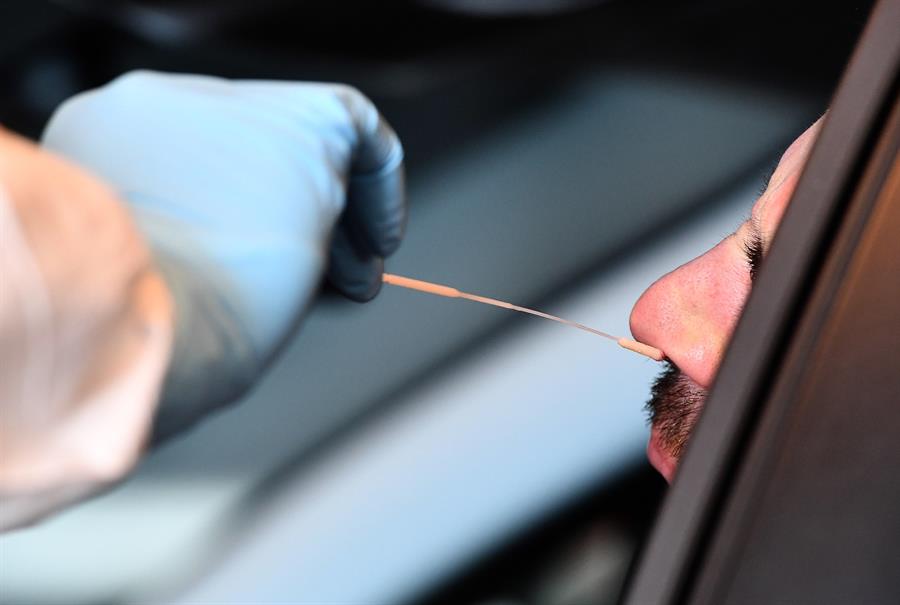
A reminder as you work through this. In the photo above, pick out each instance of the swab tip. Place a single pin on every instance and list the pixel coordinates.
(641, 349)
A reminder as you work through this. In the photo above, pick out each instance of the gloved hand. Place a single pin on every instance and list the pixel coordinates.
(245, 191)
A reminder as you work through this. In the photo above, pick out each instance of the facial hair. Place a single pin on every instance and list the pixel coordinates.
(674, 406)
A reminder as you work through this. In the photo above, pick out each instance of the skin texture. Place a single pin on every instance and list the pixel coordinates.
(691, 312)
(86, 327)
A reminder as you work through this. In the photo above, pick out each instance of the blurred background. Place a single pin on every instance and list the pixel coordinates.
(561, 154)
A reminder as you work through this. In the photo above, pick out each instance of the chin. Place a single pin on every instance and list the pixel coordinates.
(664, 462)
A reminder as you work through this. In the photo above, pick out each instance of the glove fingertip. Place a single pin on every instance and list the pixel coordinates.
(378, 210)
(354, 274)
(358, 287)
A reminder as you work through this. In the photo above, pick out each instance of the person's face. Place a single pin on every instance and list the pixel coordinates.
(691, 312)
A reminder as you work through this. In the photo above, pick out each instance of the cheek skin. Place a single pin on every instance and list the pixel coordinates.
(691, 312)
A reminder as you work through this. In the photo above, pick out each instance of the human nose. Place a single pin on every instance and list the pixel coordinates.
(690, 312)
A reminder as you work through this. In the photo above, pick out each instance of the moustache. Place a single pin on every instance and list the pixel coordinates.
(674, 406)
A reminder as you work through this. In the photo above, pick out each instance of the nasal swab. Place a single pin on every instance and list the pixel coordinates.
(424, 286)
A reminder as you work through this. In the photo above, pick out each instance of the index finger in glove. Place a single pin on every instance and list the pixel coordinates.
(376, 196)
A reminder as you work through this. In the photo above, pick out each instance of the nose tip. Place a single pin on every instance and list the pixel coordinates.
(690, 313)
(667, 318)
(634, 320)
(644, 319)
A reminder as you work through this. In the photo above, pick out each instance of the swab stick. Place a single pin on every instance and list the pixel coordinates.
(439, 290)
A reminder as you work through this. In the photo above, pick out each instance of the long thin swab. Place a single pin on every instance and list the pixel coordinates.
(424, 286)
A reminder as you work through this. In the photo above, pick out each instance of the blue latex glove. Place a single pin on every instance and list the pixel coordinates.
(246, 191)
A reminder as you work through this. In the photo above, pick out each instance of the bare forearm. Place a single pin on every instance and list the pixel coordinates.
(85, 334)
